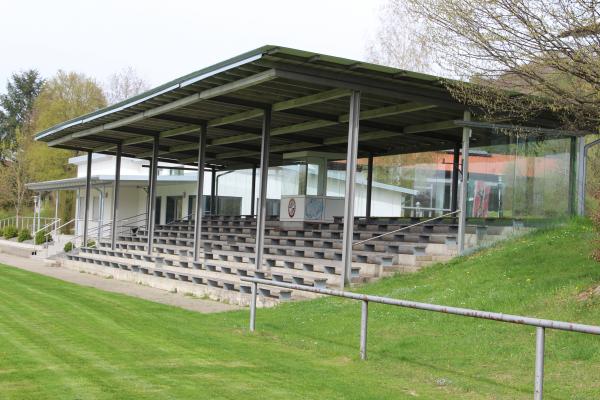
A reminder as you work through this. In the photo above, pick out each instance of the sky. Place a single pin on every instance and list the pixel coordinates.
(165, 39)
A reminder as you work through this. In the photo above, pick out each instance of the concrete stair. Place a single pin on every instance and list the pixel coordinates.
(310, 254)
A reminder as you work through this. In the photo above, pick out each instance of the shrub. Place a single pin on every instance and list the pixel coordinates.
(91, 243)
(41, 238)
(68, 247)
(24, 235)
(10, 232)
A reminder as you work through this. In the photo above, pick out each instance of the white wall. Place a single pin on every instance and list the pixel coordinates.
(105, 165)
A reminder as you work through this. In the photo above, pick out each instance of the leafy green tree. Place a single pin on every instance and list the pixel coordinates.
(16, 107)
(65, 96)
(14, 175)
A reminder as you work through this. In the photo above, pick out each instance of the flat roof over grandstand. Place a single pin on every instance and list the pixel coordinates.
(401, 112)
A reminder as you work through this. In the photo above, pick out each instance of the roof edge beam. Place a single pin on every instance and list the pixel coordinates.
(165, 134)
(343, 139)
(387, 89)
(430, 126)
(282, 106)
(206, 94)
(541, 131)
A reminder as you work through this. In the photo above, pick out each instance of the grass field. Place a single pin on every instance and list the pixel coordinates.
(62, 341)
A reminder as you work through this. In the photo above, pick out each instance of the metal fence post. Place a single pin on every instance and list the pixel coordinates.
(364, 317)
(539, 364)
(253, 307)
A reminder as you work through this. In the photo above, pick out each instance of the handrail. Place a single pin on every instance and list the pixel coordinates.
(185, 218)
(133, 216)
(109, 223)
(404, 228)
(424, 208)
(540, 324)
(60, 227)
(43, 228)
(29, 222)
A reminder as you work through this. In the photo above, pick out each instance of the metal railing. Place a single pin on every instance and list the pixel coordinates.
(134, 222)
(128, 223)
(53, 223)
(420, 212)
(55, 233)
(404, 228)
(540, 324)
(184, 218)
(30, 223)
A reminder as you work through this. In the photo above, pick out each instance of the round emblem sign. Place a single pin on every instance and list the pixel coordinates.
(292, 208)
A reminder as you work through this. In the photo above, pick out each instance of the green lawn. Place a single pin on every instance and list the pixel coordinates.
(62, 341)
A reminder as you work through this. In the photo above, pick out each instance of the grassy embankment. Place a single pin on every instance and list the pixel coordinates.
(59, 340)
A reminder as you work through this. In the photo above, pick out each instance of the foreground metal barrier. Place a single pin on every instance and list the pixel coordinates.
(540, 324)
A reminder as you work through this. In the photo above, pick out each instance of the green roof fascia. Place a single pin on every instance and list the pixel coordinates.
(241, 59)
(166, 87)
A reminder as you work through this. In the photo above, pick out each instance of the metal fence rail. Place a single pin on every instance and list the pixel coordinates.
(540, 324)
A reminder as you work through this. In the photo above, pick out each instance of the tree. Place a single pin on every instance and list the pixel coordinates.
(124, 84)
(549, 48)
(64, 97)
(400, 40)
(15, 174)
(16, 107)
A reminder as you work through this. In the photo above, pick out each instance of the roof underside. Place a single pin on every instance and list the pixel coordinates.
(401, 112)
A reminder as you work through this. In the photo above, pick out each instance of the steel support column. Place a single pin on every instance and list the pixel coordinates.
(454, 184)
(152, 194)
(88, 190)
(199, 192)
(253, 195)
(462, 220)
(572, 175)
(351, 162)
(56, 201)
(262, 207)
(100, 213)
(581, 165)
(36, 200)
(213, 189)
(369, 186)
(115, 202)
(586, 148)
(39, 213)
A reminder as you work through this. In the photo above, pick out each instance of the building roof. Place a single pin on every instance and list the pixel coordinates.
(105, 180)
(401, 112)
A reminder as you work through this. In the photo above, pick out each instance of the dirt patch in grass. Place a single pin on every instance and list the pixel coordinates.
(589, 293)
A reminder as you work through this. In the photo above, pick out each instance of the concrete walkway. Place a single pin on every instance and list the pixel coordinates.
(38, 266)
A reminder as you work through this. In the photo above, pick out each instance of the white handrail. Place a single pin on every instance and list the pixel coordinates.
(54, 222)
(405, 227)
(140, 218)
(60, 227)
